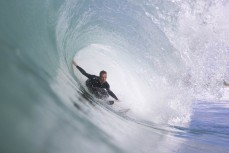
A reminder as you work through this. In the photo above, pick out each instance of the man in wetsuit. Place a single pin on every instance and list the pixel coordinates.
(94, 82)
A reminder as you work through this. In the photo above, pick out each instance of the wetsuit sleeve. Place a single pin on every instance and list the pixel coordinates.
(111, 93)
(89, 76)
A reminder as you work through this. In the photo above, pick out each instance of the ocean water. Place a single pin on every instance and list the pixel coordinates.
(166, 61)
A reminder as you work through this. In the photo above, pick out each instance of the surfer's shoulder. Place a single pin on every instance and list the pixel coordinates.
(94, 77)
(107, 85)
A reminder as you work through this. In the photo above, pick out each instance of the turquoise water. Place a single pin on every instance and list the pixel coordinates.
(169, 57)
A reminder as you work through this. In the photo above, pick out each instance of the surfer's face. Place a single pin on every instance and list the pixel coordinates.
(103, 78)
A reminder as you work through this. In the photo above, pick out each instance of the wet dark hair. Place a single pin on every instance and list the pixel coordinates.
(102, 72)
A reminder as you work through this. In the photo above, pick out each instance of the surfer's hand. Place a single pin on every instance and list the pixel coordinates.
(74, 63)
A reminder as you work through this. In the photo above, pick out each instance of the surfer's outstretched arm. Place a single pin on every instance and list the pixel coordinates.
(112, 94)
(89, 76)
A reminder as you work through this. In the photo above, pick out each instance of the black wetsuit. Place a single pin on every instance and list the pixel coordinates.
(94, 82)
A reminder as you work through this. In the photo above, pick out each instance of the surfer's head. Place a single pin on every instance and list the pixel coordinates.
(103, 76)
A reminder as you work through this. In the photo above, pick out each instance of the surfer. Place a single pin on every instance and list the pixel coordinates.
(96, 83)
